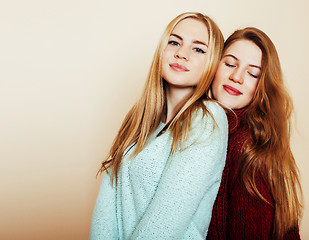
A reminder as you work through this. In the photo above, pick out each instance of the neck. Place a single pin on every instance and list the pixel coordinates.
(175, 99)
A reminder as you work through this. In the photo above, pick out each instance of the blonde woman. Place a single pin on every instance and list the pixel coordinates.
(258, 197)
(164, 168)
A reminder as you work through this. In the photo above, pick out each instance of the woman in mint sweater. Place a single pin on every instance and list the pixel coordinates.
(164, 168)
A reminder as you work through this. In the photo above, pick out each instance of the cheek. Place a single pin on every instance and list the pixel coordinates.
(166, 60)
(168, 52)
(200, 65)
(250, 92)
(252, 88)
(164, 67)
(221, 75)
(166, 55)
(215, 87)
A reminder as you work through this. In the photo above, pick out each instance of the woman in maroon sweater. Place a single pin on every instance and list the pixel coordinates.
(258, 197)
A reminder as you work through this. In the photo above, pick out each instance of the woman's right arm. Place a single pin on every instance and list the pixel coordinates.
(104, 221)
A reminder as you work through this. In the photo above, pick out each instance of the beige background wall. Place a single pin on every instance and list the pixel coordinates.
(70, 70)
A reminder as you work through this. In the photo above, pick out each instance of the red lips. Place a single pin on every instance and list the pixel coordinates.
(232, 91)
(178, 67)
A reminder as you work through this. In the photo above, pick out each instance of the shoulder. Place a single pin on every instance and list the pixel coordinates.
(216, 111)
(211, 123)
(214, 107)
(214, 115)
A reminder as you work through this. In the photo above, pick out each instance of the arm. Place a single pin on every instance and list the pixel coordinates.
(104, 221)
(190, 176)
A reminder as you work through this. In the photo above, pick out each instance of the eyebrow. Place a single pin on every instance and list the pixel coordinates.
(250, 65)
(195, 41)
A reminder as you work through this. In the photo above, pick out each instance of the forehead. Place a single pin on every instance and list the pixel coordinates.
(192, 29)
(246, 51)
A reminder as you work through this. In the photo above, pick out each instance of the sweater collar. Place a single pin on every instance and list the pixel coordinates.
(235, 118)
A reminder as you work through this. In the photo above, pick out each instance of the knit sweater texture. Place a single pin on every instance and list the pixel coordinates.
(237, 215)
(163, 196)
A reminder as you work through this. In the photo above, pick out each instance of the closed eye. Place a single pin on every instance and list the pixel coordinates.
(253, 75)
(229, 65)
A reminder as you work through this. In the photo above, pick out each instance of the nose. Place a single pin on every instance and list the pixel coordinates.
(182, 53)
(237, 76)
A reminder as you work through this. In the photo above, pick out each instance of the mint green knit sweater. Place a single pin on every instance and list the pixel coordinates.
(163, 196)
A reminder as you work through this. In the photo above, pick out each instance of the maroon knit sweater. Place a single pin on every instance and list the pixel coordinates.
(237, 214)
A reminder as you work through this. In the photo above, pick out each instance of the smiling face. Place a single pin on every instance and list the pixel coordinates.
(238, 74)
(184, 58)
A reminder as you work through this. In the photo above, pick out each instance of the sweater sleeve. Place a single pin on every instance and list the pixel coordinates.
(192, 174)
(104, 221)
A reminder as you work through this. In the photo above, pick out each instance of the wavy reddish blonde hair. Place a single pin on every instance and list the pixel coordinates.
(269, 153)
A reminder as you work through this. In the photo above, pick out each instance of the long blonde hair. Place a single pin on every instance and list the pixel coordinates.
(269, 153)
(150, 109)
